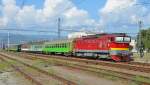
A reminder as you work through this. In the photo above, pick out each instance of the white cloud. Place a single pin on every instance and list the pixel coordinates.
(27, 16)
(46, 16)
(113, 5)
(77, 17)
(3, 22)
(118, 15)
(55, 8)
(8, 11)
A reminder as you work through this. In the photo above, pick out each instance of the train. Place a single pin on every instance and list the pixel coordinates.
(114, 46)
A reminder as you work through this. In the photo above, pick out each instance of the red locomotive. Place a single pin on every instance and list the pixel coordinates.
(108, 46)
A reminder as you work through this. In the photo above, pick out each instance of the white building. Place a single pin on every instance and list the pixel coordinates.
(133, 43)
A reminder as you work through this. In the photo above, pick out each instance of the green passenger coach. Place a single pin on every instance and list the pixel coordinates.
(36, 48)
(61, 46)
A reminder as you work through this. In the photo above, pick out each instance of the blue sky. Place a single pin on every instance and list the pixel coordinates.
(97, 15)
(92, 6)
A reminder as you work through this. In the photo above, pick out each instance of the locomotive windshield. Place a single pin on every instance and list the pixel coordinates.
(122, 39)
(127, 39)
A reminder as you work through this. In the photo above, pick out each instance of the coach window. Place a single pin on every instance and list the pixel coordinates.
(53, 46)
(63, 45)
(56, 45)
(60, 45)
(68, 44)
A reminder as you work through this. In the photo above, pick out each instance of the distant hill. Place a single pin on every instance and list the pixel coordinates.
(16, 38)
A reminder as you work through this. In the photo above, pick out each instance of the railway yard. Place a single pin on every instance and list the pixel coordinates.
(74, 42)
(18, 68)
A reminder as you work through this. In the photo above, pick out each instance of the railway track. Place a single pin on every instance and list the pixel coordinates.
(138, 63)
(135, 66)
(118, 74)
(28, 76)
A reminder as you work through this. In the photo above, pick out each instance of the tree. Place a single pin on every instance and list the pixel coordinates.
(145, 39)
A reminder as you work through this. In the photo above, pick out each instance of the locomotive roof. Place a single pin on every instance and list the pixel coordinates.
(104, 34)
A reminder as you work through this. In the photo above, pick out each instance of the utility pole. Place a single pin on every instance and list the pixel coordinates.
(8, 41)
(3, 46)
(141, 47)
(140, 27)
(59, 28)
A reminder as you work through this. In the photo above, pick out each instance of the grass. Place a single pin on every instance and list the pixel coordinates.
(4, 66)
(139, 78)
(145, 59)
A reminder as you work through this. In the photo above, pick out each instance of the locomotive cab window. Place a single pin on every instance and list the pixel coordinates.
(119, 39)
(127, 39)
(122, 39)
